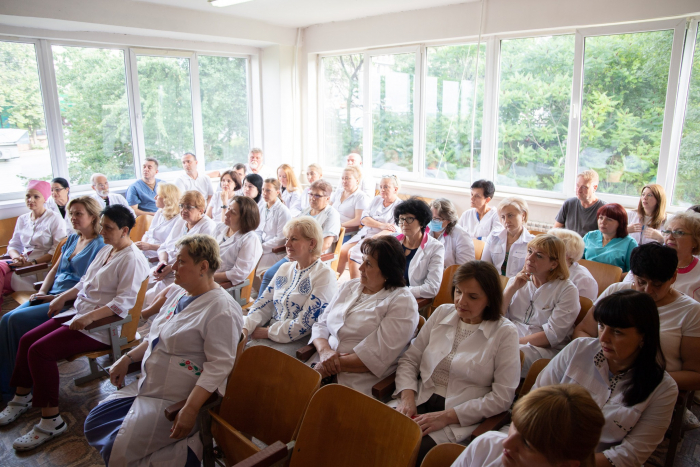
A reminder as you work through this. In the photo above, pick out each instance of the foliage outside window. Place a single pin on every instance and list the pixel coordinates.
(94, 108)
(223, 89)
(533, 115)
(449, 112)
(624, 96)
(24, 152)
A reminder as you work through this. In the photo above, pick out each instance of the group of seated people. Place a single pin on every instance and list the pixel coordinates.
(635, 348)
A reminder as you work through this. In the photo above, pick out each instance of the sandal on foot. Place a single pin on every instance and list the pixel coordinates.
(12, 412)
(37, 437)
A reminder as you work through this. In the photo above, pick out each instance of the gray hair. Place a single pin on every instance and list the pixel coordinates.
(691, 221)
(93, 178)
(447, 211)
(322, 185)
(309, 228)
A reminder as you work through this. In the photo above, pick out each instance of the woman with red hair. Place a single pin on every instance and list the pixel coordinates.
(611, 243)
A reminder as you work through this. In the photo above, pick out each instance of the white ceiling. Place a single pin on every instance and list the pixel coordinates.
(303, 13)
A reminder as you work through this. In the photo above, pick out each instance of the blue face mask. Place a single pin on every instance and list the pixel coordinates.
(436, 226)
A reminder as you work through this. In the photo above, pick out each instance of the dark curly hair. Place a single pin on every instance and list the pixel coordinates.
(416, 207)
(388, 253)
(120, 215)
(654, 261)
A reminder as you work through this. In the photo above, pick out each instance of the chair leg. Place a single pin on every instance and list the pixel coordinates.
(676, 430)
(95, 373)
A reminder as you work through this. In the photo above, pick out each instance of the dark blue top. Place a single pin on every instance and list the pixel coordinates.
(70, 270)
(141, 194)
(409, 257)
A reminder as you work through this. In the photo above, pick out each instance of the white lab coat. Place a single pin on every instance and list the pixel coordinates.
(158, 232)
(480, 229)
(196, 347)
(240, 253)
(484, 373)
(630, 434)
(51, 204)
(305, 198)
(292, 199)
(329, 219)
(294, 299)
(215, 205)
(378, 328)
(495, 251)
(201, 184)
(584, 281)
(115, 285)
(358, 200)
(633, 218)
(459, 246)
(379, 213)
(114, 198)
(485, 451)
(265, 172)
(271, 231)
(35, 238)
(426, 268)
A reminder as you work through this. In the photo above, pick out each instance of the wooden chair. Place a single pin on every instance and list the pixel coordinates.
(444, 295)
(443, 455)
(344, 428)
(536, 232)
(7, 228)
(40, 270)
(143, 223)
(604, 274)
(334, 258)
(675, 430)
(532, 374)
(125, 341)
(241, 292)
(586, 304)
(478, 248)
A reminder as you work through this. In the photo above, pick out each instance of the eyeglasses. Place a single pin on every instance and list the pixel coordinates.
(406, 220)
(437, 219)
(57, 190)
(315, 196)
(186, 207)
(675, 233)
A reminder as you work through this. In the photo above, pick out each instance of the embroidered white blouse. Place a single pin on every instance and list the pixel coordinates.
(239, 253)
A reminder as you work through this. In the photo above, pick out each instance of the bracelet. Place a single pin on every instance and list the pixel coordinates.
(224, 207)
(127, 355)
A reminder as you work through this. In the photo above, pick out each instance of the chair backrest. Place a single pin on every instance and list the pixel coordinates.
(267, 394)
(239, 350)
(443, 455)
(586, 304)
(536, 232)
(57, 253)
(478, 248)
(129, 329)
(604, 274)
(345, 428)
(504, 281)
(336, 250)
(444, 295)
(143, 223)
(7, 228)
(247, 290)
(534, 371)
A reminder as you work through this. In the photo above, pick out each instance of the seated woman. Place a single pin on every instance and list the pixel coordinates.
(424, 255)
(285, 312)
(291, 189)
(464, 365)
(239, 246)
(324, 214)
(313, 172)
(459, 247)
(167, 200)
(507, 248)
(273, 217)
(480, 220)
(191, 221)
(77, 254)
(369, 323)
(579, 275)
(182, 358)
(645, 223)
(541, 300)
(377, 218)
(610, 244)
(349, 200)
(654, 268)
(36, 236)
(552, 426)
(108, 288)
(58, 203)
(623, 370)
(252, 187)
(228, 186)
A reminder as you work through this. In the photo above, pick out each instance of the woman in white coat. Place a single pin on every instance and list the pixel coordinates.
(579, 275)
(349, 200)
(645, 223)
(167, 199)
(424, 255)
(58, 202)
(541, 301)
(291, 189)
(506, 249)
(228, 187)
(239, 246)
(369, 323)
(284, 312)
(464, 365)
(273, 217)
(188, 354)
(459, 246)
(481, 220)
(36, 236)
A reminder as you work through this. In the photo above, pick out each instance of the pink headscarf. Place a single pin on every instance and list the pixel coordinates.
(41, 186)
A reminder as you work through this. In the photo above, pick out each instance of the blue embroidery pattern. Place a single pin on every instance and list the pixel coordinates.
(280, 281)
(305, 287)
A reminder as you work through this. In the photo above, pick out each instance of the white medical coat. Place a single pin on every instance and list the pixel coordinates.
(426, 268)
(158, 232)
(495, 251)
(240, 253)
(459, 246)
(271, 231)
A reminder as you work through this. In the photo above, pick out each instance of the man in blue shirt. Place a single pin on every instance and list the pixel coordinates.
(141, 195)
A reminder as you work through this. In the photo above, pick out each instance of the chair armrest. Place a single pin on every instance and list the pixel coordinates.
(352, 230)
(32, 269)
(106, 323)
(272, 454)
(5, 256)
(225, 285)
(154, 260)
(385, 388)
(172, 410)
(423, 302)
(37, 285)
(279, 249)
(327, 257)
(306, 352)
(491, 424)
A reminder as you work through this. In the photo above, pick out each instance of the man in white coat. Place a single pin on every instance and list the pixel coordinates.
(367, 184)
(101, 186)
(193, 180)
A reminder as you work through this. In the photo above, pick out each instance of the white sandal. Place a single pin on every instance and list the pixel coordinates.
(37, 437)
(12, 412)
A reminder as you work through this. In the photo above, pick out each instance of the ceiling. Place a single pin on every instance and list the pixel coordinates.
(303, 13)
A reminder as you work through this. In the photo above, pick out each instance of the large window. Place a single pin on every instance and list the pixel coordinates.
(624, 97)
(24, 152)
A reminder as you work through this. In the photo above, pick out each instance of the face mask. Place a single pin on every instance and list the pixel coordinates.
(436, 226)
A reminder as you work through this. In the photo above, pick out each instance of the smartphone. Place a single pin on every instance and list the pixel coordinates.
(35, 302)
(161, 268)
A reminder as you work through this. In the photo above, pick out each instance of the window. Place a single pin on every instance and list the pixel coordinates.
(687, 190)
(533, 111)
(624, 96)
(166, 106)
(95, 112)
(392, 81)
(224, 92)
(24, 150)
(343, 99)
(451, 118)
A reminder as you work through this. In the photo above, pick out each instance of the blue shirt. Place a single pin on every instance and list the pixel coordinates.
(617, 252)
(141, 194)
(70, 270)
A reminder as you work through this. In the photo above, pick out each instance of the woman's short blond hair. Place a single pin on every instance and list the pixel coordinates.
(315, 168)
(308, 228)
(355, 171)
(171, 197)
(202, 247)
(92, 207)
(589, 175)
(194, 198)
(572, 242)
(562, 422)
(517, 202)
(554, 248)
(691, 221)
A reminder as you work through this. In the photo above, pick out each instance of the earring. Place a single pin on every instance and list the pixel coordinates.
(201, 275)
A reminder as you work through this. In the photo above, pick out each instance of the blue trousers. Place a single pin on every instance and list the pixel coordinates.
(269, 274)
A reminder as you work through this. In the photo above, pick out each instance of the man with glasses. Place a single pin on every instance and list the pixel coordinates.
(192, 179)
(141, 195)
(367, 184)
(101, 186)
(580, 213)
